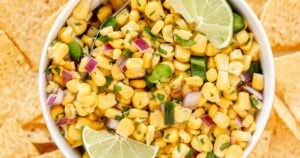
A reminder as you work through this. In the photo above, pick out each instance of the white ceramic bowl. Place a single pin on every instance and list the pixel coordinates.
(239, 6)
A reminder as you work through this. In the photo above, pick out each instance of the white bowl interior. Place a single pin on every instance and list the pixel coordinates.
(266, 59)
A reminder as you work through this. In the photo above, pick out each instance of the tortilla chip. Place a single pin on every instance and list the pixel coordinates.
(286, 116)
(38, 120)
(283, 143)
(53, 154)
(292, 100)
(37, 133)
(13, 142)
(257, 6)
(22, 21)
(18, 85)
(287, 72)
(281, 21)
(45, 148)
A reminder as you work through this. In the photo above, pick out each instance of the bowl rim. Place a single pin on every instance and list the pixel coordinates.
(267, 64)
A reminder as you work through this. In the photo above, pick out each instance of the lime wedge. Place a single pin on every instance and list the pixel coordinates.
(101, 144)
(214, 18)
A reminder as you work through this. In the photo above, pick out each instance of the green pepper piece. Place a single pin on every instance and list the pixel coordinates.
(75, 51)
(111, 21)
(169, 114)
(238, 23)
(183, 42)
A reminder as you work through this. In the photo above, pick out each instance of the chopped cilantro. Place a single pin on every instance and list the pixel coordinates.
(160, 97)
(162, 51)
(117, 88)
(224, 146)
(148, 31)
(190, 154)
(118, 117)
(57, 70)
(104, 39)
(202, 141)
(211, 155)
(183, 42)
(139, 132)
(178, 148)
(167, 136)
(126, 53)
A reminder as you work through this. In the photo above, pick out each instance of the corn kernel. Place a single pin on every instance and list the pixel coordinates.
(258, 81)
(125, 127)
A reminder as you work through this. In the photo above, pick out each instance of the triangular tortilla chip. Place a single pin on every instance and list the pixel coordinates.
(292, 99)
(281, 22)
(257, 6)
(22, 21)
(283, 143)
(14, 143)
(53, 154)
(37, 133)
(18, 84)
(286, 116)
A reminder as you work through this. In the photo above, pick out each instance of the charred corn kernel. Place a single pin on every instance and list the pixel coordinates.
(70, 111)
(181, 24)
(184, 34)
(169, 19)
(180, 151)
(81, 11)
(222, 62)
(213, 109)
(80, 110)
(167, 33)
(57, 112)
(236, 55)
(247, 121)
(223, 81)
(131, 28)
(155, 59)
(137, 83)
(140, 132)
(258, 81)
(126, 92)
(122, 17)
(84, 89)
(171, 135)
(125, 127)
(92, 31)
(211, 63)
(210, 92)
(134, 64)
(117, 43)
(234, 80)
(244, 101)
(105, 31)
(87, 40)
(150, 134)
(234, 151)
(157, 118)
(194, 81)
(241, 136)
(220, 140)
(166, 50)
(160, 143)
(211, 75)
(81, 122)
(106, 101)
(74, 133)
(88, 100)
(242, 37)
(222, 120)
(58, 51)
(116, 73)
(181, 66)
(98, 78)
(236, 68)
(79, 26)
(247, 61)
(202, 143)
(156, 28)
(137, 113)
(72, 85)
(182, 54)
(154, 11)
(199, 48)
(104, 12)
(134, 16)
(135, 74)
(211, 50)
(112, 113)
(116, 35)
(182, 114)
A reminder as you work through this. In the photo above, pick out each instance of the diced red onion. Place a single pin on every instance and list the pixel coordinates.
(59, 97)
(191, 100)
(253, 91)
(91, 65)
(245, 77)
(107, 47)
(67, 76)
(122, 63)
(141, 45)
(49, 76)
(112, 123)
(238, 121)
(64, 121)
(207, 120)
(51, 98)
